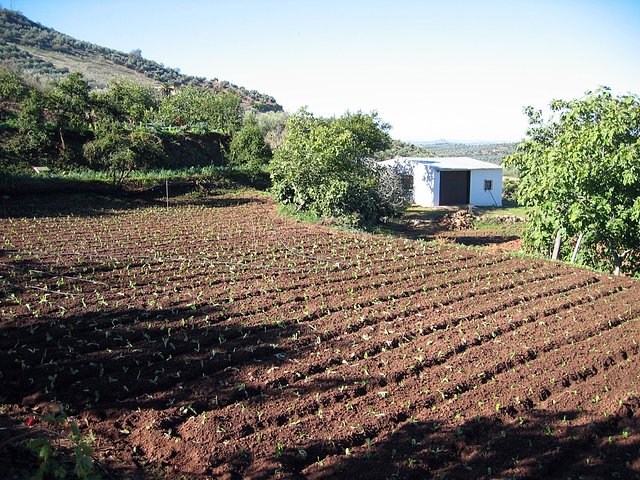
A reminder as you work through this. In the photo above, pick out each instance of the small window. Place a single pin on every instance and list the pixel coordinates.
(488, 184)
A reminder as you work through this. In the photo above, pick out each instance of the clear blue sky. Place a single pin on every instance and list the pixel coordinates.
(453, 69)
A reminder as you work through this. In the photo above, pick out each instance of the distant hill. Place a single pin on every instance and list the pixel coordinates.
(46, 53)
(487, 152)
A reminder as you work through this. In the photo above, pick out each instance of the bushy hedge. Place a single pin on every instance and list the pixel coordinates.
(324, 167)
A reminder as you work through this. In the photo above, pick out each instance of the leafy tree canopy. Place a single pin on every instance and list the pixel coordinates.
(12, 87)
(323, 166)
(201, 110)
(580, 173)
(121, 151)
(248, 146)
(70, 101)
(128, 101)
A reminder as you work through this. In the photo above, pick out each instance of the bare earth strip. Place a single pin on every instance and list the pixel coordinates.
(219, 340)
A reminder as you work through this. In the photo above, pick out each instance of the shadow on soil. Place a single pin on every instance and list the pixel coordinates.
(116, 359)
(92, 205)
(542, 446)
(478, 240)
(440, 233)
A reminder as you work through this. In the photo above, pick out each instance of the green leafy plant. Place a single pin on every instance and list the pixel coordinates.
(55, 462)
(580, 174)
(323, 166)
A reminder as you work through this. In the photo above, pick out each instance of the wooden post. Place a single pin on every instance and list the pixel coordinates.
(167, 192)
(556, 246)
(577, 248)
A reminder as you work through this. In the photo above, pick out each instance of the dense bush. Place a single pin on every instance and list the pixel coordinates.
(509, 187)
(324, 167)
(248, 147)
(121, 151)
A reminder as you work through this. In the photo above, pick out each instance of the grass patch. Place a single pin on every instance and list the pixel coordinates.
(299, 215)
(507, 210)
(101, 181)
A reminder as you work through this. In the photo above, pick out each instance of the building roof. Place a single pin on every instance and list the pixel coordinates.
(444, 163)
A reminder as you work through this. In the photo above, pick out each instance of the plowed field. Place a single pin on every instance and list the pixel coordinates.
(219, 340)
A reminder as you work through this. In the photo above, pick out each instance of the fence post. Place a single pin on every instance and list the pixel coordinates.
(556, 246)
(166, 186)
(577, 248)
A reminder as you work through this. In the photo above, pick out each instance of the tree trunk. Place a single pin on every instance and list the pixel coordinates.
(63, 146)
(618, 261)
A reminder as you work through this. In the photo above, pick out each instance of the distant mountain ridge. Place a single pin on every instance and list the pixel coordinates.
(485, 151)
(44, 52)
(442, 141)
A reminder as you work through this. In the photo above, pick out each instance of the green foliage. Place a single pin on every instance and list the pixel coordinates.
(323, 166)
(69, 100)
(56, 464)
(248, 146)
(368, 131)
(128, 101)
(69, 108)
(67, 125)
(12, 87)
(580, 173)
(120, 151)
(33, 138)
(52, 128)
(201, 111)
(509, 187)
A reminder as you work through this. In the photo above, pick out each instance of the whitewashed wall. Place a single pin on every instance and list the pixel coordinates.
(426, 185)
(479, 196)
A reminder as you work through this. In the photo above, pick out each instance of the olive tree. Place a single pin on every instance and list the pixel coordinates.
(71, 104)
(580, 174)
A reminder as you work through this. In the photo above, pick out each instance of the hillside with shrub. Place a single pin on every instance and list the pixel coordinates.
(50, 55)
(128, 126)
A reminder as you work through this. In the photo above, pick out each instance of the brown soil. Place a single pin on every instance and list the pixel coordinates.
(219, 340)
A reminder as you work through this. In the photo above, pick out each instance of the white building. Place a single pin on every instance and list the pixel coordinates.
(451, 180)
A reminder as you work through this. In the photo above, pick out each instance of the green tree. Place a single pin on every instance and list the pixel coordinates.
(248, 146)
(33, 138)
(201, 110)
(580, 174)
(323, 166)
(128, 101)
(71, 106)
(120, 151)
(12, 87)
